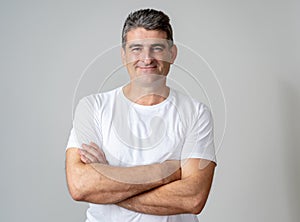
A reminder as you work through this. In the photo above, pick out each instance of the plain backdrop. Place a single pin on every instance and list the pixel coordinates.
(253, 48)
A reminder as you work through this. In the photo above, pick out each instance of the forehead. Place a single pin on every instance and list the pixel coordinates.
(143, 35)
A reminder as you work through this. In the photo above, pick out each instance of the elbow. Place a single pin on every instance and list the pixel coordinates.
(76, 187)
(197, 209)
(80, 192)
(197, 205)
(76, 193)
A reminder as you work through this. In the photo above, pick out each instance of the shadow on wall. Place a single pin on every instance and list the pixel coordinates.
(290, 118)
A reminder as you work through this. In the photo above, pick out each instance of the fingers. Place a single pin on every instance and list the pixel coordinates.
(100, 154)
(94, 145)
(88, 157)
(83, 158)
(92, 154)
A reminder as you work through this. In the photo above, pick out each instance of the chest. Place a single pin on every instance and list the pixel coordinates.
(139, 137)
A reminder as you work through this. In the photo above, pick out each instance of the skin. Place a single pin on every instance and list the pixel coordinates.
(147, 56)
(95, 181)
(186, 195)
(173, 189)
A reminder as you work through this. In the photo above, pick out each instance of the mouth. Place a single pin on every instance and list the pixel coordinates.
(147, 68)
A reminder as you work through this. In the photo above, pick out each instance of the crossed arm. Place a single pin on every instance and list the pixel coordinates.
(187, 195)
(158, 189)
(103, 184)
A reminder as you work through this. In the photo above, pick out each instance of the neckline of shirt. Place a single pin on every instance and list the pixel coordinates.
(139, 106)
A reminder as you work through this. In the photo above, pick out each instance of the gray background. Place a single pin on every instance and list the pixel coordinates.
(253, 46)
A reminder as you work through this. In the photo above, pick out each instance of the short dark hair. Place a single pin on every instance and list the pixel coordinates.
(149, 19)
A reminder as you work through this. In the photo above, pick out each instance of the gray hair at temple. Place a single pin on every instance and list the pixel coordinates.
(149, 19)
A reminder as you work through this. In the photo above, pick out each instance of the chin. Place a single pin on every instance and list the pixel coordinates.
(149, 79)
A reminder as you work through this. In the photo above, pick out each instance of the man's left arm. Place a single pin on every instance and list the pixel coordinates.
(187, 195)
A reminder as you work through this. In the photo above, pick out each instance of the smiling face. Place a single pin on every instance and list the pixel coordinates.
(147, 52)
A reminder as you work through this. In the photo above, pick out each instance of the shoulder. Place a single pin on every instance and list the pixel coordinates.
(99, 100)
(189, 104)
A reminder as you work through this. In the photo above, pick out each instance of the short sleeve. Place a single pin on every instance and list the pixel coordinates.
(86, 124)
(72, 141)
(199, 141)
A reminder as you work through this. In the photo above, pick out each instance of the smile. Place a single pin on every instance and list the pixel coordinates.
(146, 67)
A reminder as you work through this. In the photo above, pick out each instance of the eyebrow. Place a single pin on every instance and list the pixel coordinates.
(135, 45)
(158, 44)
(141, 45)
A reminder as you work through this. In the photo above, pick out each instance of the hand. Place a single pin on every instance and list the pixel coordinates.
(92, 153)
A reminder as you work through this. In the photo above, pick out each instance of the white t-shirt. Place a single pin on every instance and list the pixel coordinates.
(131, 134)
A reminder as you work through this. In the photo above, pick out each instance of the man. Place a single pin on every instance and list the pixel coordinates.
(142, 152)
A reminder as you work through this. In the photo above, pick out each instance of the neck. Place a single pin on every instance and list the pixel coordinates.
(147, 94)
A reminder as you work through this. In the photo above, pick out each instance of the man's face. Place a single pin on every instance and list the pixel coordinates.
(147, 52)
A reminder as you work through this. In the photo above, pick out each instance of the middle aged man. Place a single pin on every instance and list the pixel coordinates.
(152, 153)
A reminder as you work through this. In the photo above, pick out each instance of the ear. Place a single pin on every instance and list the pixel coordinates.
(123, 56)
(173, 51)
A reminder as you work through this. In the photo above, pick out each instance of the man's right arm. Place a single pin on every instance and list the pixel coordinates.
(104, 184)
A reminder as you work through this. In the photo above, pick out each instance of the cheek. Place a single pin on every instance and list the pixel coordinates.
(129, 59)
(164, 65)
(167, 68)
(166, 58)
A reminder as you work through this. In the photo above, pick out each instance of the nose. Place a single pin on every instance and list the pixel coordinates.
(147, 56)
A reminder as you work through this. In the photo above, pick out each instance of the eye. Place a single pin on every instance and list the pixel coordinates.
(136, 49)
(157, 49)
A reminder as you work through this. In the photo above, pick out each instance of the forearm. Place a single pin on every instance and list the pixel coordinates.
(102, 184)
(119, 183)
(173, 198)
(187, 195)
